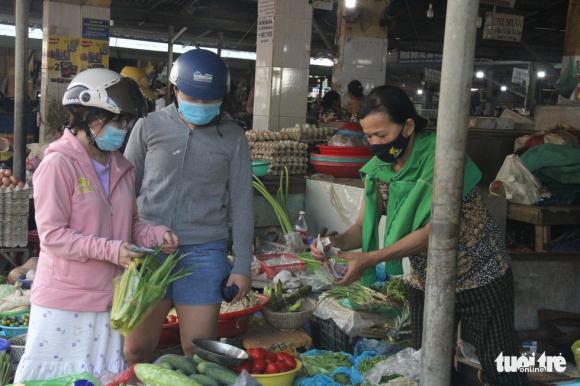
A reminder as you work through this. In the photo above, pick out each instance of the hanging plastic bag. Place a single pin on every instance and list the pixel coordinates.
(406, 363)
(516, 183)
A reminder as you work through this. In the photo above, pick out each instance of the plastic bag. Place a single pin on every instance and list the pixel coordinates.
(245, 379)
(406, 363)
(83, 379)
(348, 138)
(319, 380)
(516, 183)
(294, 243)
(378, 347)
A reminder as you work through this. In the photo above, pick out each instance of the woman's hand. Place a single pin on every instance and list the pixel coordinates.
(358, 263)
(243, 283)
(313, 246)
(126, 254)
(170, 242)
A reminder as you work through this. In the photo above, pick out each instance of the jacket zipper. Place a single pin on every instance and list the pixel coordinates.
(180, 194)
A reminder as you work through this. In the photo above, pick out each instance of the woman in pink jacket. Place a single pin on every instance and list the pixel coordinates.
(84, 197)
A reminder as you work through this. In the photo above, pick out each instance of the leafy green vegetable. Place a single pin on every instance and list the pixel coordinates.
(367, 364)
(360, 296)
(324, 363)
(396, 289)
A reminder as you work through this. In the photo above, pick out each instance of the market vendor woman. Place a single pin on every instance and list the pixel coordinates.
(398, 184)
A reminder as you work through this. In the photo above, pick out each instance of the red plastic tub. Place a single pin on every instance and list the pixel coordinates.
(169, 335)
(338, 169)
(350, 151)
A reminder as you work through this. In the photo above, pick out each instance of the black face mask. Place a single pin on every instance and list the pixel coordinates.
(392, 151)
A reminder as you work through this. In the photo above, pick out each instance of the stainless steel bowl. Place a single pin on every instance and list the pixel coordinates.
(221, 353)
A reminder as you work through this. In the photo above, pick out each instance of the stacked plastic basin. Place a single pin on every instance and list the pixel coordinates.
(340, 161)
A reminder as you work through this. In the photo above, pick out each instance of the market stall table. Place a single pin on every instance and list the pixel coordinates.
(543, 218)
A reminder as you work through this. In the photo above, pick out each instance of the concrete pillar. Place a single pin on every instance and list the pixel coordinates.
(75, 37)
(571, 59)
(362, 46)
(282, 63)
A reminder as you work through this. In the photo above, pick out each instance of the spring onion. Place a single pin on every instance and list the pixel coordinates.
(5, 367)
(140, 288)
(278, 204)
(359, 295)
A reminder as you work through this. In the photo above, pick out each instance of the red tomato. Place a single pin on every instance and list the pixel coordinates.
(272, 368)
(272, 357)
(257, 353)
(258, 367)
(288, 359)
(171, 319)
(283, 366)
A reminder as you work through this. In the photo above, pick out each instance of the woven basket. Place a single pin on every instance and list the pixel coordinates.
(14, 204)
(288, 321)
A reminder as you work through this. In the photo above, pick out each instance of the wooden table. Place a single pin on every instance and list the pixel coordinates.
(543, 218)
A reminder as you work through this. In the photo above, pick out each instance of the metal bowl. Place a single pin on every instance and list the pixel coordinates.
(220, 353)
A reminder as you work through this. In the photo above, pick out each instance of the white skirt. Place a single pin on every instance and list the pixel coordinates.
(62, 343)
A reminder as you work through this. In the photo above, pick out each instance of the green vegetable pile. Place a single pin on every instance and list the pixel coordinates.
(177, 370)
(361, 297)
(396, 289)
(286, 303)
(324, 363)
(140, 288)
(367, 364)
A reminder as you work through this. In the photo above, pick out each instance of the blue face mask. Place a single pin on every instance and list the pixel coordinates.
(198, 114)
(112, 138)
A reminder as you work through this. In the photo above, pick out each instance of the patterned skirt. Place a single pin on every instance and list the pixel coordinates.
(62, 343)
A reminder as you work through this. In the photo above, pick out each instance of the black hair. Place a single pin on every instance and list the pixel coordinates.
(394, 102)
(330, 99)
(80, 117)
(355, 87)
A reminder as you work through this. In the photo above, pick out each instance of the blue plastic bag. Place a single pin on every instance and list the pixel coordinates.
(379, 347)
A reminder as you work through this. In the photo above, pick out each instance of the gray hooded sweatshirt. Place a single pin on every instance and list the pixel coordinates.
(191, 179)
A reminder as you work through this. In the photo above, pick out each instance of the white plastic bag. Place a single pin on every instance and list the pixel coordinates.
(406, 363)
(516, 183)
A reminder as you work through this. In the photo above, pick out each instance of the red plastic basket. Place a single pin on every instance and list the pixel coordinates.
(356, 151)
(273, 270)
(232, 324)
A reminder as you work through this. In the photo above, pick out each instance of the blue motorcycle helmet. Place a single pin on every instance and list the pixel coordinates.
(201, 74)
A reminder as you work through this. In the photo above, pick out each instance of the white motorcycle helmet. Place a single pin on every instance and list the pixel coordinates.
(106, 90)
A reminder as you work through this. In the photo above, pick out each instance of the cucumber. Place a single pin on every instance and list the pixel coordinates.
(158, 376)
(179, 362)
(218, 373)
(165, 365)
(197, 359)
(204, 380)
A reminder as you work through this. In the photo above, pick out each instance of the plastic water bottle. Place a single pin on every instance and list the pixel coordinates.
(301, 227)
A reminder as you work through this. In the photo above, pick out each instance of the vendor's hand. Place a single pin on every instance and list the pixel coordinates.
(126, 254)
(243, 283)
(313, 246)
(358, 263)
(170, 242)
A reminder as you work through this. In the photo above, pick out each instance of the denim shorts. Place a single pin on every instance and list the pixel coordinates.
(209, 266)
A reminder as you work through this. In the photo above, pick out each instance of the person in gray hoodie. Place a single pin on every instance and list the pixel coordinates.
(194, 174)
